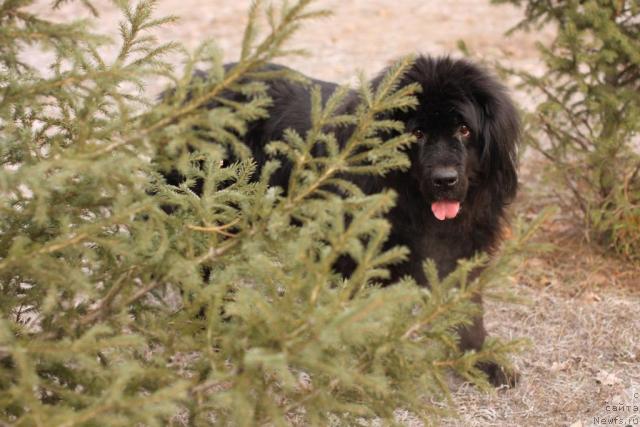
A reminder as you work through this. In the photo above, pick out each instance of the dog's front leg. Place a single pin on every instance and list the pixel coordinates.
(472, 337)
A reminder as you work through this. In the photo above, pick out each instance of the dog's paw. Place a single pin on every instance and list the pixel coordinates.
(499, 376)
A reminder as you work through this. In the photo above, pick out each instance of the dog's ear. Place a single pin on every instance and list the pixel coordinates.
(501, 134)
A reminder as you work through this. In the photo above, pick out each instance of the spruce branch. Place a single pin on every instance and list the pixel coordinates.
(143, 294)
(264, 51)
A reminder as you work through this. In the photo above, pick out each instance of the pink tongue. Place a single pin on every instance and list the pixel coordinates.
(445, 209)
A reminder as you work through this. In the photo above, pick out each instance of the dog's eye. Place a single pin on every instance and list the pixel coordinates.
(419, 134)
(464, 131)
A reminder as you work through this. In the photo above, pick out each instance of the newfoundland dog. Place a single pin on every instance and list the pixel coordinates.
(451, 201)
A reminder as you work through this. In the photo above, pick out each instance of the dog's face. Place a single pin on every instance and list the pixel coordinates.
(466, 130)
(445, 157)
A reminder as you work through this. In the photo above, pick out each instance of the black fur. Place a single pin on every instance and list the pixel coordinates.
(454, 92)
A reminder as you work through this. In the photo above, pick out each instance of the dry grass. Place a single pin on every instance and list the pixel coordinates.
(584, 352)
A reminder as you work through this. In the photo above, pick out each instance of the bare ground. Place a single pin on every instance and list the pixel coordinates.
(583, 319)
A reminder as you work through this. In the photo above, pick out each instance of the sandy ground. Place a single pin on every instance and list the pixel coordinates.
(584, 315)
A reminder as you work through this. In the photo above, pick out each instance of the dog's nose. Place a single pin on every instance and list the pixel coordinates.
(444, 177)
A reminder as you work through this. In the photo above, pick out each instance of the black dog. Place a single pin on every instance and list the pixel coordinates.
(451, 202)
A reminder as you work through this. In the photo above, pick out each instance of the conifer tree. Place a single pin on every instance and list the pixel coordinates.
(588, 121)
(114, 312)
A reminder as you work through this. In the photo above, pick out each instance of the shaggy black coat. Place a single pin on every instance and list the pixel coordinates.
(451, 202)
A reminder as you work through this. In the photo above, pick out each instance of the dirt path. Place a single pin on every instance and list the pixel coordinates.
(584, 326)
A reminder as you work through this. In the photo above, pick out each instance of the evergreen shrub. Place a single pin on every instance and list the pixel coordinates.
(115, 313)
(587, 123)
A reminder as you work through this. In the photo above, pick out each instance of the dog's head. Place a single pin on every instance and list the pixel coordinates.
(466, 131)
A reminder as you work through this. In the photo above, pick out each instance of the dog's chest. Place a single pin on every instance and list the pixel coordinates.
(445, 248)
